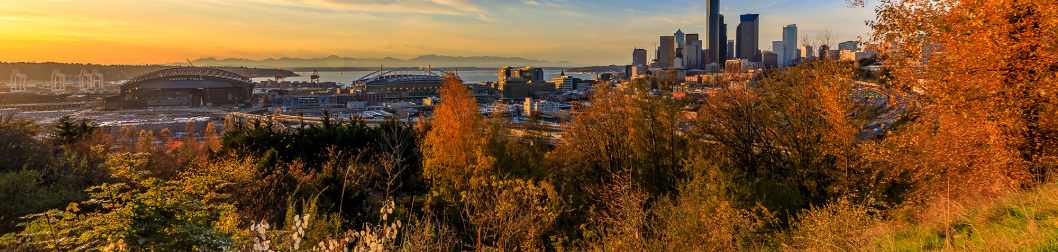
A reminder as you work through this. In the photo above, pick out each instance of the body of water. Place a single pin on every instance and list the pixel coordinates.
(474, 76)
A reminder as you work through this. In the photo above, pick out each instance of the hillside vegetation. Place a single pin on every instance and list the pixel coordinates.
(777, 164)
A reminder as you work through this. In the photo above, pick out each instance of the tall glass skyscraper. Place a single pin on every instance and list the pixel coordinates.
(789, 40)
(712, 31)
(748, 37)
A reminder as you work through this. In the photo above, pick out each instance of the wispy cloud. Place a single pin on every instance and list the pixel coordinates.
(463, 8)
(559, 6)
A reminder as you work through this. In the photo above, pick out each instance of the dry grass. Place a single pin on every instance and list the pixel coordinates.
(1020, 221)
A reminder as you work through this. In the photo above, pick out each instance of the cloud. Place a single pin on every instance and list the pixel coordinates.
(463, 8)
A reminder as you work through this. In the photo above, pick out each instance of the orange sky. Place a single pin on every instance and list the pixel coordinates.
(170, 31)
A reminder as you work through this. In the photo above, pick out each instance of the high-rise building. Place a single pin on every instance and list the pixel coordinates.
(724, 49)
(639, 57)
(849, 46)
(681, 38)
(789, 42)
(504, 74)
(692, 52)
(748, 37)
(778, 49)
(667, 51)
(807, 54)
(730, 50)
(824, 52)
(712, 31)
(770, 59)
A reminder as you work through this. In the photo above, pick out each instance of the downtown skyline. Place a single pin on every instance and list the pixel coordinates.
(580, 32)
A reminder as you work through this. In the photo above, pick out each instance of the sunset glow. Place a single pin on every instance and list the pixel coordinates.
(168, 31)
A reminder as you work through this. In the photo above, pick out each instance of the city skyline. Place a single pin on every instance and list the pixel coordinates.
(581, 32)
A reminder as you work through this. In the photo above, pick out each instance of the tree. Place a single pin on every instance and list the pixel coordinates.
(211, 136)
(995, 57)
(790, 140)
(69, 131)
(454, 151)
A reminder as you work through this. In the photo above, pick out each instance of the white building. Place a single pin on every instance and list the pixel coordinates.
(534, 107)
(778, 47)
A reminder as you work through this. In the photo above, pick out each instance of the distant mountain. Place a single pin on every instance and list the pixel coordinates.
(42, 71)
(334, 61)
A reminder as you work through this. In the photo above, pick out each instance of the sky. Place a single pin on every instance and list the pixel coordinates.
(585, 32)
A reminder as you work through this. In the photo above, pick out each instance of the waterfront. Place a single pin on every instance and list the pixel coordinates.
(472, 76)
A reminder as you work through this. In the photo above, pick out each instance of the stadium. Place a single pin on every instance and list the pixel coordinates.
(401, 85)
(184, 87)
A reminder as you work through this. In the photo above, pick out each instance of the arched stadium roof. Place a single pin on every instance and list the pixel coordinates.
(396, 77)
(190, 72)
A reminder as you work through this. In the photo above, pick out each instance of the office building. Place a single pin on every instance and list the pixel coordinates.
(724, 49)
(532, 74)
(639, 57)
(564, 82)
(748, 37)
(517, 83)
(807, 54)
(667, 52)
(692, 52)
(789, 41)
(514, 88)
(824, 52)
(712, 31)
(778, 49)
(769, 59)
(681, 38)
(730, 50)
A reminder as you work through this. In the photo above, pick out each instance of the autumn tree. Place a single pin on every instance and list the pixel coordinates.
(212, 137)
(789, 140)
(454, 149)
(993, 62)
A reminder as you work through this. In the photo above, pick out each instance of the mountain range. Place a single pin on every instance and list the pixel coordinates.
(336, 61)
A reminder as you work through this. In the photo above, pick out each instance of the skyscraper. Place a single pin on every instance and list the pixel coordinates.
(667, 51)
(692, 52)
(681, 38)
(748, 36)
(724, 49)
(712, 30)
(639, 57)
(789, 41)
(779, 49)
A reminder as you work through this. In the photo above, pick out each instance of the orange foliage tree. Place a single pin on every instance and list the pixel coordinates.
(980, 66)
(454, 151)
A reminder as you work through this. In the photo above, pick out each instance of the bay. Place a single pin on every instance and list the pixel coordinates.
(472, 76)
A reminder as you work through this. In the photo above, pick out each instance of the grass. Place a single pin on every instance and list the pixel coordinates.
(1026, 221)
